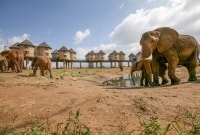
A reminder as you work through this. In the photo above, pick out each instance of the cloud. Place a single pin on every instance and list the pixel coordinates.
(80, 36)
(16, 39)
(183, 15)
(12, 40)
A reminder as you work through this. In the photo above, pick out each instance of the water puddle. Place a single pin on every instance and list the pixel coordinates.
(126, 81)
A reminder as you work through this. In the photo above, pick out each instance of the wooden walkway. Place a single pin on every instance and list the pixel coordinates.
(93, 64)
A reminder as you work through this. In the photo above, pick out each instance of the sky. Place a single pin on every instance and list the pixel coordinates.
(86, 25)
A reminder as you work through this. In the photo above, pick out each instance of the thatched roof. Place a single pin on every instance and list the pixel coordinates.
(121, 53)
(91, 52)
(112, 53)
(14, 46)
(26, 42)
(72, 51)
(101, 52)
(63, 48)
(55, 51)
(131, 55)
(45, 45)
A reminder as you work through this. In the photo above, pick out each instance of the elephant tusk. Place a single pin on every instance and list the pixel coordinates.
(148, 58)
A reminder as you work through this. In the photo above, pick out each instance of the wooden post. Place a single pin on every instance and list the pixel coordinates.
(80, 65)
(56, 64)
(71, 64)
(27, 61)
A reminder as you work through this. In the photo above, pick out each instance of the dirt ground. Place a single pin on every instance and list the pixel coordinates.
(26, 100)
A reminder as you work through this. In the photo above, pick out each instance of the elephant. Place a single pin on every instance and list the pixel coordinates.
(16, 57)
(3, 63)
(177, 49)
(43, 62)
(139, 66)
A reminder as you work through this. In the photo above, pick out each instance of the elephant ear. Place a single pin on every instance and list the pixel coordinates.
(167, 38)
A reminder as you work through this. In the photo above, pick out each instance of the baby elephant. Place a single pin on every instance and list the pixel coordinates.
(139, 66)
(43, 62)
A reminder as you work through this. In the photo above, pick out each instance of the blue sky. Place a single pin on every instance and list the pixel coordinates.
(86, 25)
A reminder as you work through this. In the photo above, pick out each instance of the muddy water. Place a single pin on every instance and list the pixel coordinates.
(126, 81)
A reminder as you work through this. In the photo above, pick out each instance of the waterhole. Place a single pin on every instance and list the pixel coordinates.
(126, 81)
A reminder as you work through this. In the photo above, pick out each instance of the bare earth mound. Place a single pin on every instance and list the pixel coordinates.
(26, 100)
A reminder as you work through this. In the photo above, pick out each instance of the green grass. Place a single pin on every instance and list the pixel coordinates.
(185, 123)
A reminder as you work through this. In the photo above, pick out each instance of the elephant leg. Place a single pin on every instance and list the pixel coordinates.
(142, 78)
(162, 73)
(35, 69)
(171, 72)
(145, 79)
(42, 71)
(50, 73)
(192, 72)
(192, 67)
(155, 69)
(17, 66)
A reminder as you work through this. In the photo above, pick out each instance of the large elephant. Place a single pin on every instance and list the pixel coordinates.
(3, 63)
(175, 48)
(43, 62)
(16, 57)
(139, 66)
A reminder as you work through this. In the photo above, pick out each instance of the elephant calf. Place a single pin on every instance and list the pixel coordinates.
(139, 66)
(43, 62)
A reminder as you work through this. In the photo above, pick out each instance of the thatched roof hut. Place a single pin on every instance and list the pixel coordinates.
(55, 55)
(113, 56)
(43, 49)
(72, 54)
(132, 57)
(121, 55)
(28, 48)
(90, 56)
(64, 53)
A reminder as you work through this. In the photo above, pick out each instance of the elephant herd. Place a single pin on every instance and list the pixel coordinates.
(164, 49)
(14, 59)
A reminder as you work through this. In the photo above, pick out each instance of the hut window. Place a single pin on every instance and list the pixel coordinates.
(65, 56)
(47, 54)
(25, 46)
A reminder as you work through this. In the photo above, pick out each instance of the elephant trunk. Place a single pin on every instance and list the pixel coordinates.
(148, 71)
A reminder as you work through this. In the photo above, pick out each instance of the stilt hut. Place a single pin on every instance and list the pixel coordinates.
(55, 57)
(90, 57)
(121, 59)
(29, 50)
(113, 57)
(100, 57)
(64, 55)
(72, 56)
(43, 49)
(132, 57)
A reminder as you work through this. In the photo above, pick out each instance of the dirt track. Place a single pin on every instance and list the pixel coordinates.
(25, 100)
